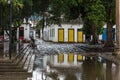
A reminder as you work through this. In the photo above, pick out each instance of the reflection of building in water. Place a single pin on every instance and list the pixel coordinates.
(62, 65)
(6, 49)
(66, 59)
(117, 72)
(70, 76)
(77, 67)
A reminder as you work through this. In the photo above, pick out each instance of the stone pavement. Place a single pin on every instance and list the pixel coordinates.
(96, 48)
(47, 48)
(53, 48)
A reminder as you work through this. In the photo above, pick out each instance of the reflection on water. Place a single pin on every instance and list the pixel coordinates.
(92, 69)
(4, 55)
(15, 76)
(4, 49)
(68, 67)
(76, 67)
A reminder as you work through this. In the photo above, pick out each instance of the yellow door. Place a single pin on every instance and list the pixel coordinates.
(71, 35)
(60, 58)
(79, 57)
(60, 35)
(80, 36)
(70, 57)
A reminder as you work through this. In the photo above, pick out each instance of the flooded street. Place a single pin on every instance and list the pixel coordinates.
(59, 39)
(75, 67)
(53, 62)
(67, 62)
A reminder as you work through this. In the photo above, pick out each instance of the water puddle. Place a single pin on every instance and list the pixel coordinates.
(68, 66)
(74, 67)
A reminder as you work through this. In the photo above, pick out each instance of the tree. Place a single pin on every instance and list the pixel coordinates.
(110, 20)
(70, 9)
(4, 14)
(4, 11)
(93, 14)
(38, 27)
(20, 9)
(27, 11)
(40, 7)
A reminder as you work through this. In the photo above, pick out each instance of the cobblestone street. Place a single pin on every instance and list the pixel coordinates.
(54, 48)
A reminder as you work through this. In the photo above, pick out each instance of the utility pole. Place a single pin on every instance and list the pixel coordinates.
(10, 31)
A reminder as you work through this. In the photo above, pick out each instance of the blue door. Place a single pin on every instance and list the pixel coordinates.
(104, 35)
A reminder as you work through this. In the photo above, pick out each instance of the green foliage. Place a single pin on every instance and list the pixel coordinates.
(38, 26)
(40, 6)
(93, 14)
(110, 20)
(20, 10)
(3, 13)
(26, 11)
(87, 28)
(110, 11)
(17, 4)
(72, 10)
(55, 7)
(17, 15)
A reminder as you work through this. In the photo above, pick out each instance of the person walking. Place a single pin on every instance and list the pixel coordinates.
(32, 42)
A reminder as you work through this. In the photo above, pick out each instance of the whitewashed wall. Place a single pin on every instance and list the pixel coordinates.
(26, 31)
(48, 30)
(33, 33)
(52, 32)
(65, 63)
(45, 34)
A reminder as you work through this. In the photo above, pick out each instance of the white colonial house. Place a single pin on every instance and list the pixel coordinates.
(64, 33)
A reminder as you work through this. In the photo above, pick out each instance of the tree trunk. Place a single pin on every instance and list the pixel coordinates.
(109, 42)
(94, 34)
(38, 33)
(108, 70)
(43, 24)
(7, 32)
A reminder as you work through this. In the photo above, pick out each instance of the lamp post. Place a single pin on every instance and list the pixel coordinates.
(10, 24)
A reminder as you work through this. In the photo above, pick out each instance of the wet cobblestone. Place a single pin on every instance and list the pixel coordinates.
(55, 48)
